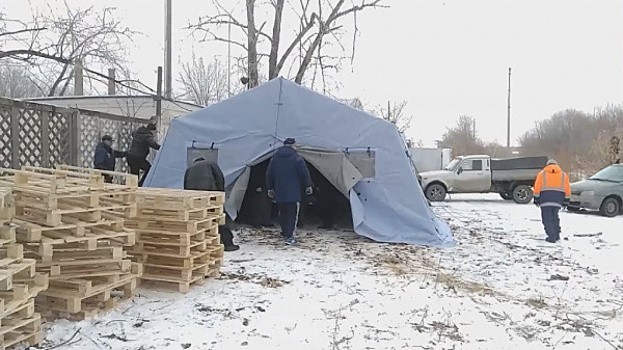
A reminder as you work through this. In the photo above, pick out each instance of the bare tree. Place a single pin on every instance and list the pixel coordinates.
(15, 82)
(462, 138)
(204, 83)
(51, 44)
(395, 113)
(319, 26)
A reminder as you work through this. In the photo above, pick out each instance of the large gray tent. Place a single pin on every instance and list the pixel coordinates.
(362, 156)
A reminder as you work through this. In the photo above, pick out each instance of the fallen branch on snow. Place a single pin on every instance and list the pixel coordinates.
(588, 234)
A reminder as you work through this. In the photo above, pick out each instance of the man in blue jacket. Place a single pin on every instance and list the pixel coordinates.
(287, 175)
(104, 158)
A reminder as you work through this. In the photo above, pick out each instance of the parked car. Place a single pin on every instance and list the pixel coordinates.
(511, 178)
(602, 191)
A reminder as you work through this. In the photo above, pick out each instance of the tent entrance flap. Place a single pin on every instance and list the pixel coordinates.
(334, 166)
(238, 189)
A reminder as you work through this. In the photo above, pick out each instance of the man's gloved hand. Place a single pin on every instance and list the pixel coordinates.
(271, 194)
(309, 190)
(566, 203)
(537, 201)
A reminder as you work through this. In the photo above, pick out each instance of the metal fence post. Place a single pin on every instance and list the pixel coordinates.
(45, 139)
(15, 161)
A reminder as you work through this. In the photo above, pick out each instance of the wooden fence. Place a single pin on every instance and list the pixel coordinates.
(44, 135)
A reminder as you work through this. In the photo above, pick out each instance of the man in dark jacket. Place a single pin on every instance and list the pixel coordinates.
(104, 158)
(204, 175)
(287, 174)
(142, 140)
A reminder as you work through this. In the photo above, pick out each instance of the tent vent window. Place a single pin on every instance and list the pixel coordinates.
(210, 154)
(364, 161)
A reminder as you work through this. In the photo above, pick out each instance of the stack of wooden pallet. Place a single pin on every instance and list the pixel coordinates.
(178, 241)
(19, 284)
(72, 223)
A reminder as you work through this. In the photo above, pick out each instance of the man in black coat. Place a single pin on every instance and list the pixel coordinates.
(142, 140)
(287, 175)
(204, 175)
(104, 158)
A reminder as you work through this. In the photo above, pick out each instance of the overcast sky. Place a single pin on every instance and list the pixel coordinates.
(445, 57)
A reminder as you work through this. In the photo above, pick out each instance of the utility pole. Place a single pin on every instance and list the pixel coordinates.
(508, 117)
(111, 81)
(78, 78)
(159, 99)
(229, 60)
(168, 74)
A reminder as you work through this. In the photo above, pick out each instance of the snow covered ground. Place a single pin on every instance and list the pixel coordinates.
(502, 287)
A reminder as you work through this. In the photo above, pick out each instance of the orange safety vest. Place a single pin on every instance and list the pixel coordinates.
(552, 181)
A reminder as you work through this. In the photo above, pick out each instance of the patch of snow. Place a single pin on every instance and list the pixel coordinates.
(336, 290)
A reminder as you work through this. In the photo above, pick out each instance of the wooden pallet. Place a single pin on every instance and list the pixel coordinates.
(21, 331)
(67, 214)
(23, 290)
(177, 273)
(181, 238)
(29, 232)
(97, 268)
(71, 302)
(181, 214)
(182, 286)
(76, 254)
(46, 247)
(162, 198)
(178, 253)
(19, 325)
(173, 225)
(92, 282)
(125, 179)
(195, 259)
(42, 180)
(22, 269)
(170, 249)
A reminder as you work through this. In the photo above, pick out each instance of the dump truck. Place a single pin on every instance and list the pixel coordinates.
(512, 178)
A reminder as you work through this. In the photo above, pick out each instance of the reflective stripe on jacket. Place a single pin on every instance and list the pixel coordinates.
(552, 186)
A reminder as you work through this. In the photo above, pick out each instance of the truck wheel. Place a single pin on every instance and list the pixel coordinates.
(507, 196)
(435, 193)
(522, 194)
(610, 207)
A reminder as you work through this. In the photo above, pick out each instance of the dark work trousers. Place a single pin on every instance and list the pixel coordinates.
(551, 222)
(227, 237)
(288, 217)
(137, 164)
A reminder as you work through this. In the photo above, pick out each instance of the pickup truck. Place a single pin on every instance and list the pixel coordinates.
(511, 178)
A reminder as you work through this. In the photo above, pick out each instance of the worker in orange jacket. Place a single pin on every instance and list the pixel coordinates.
(552, 193)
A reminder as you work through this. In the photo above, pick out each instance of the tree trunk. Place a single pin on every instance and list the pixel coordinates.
(252, 45)
(273, 70)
